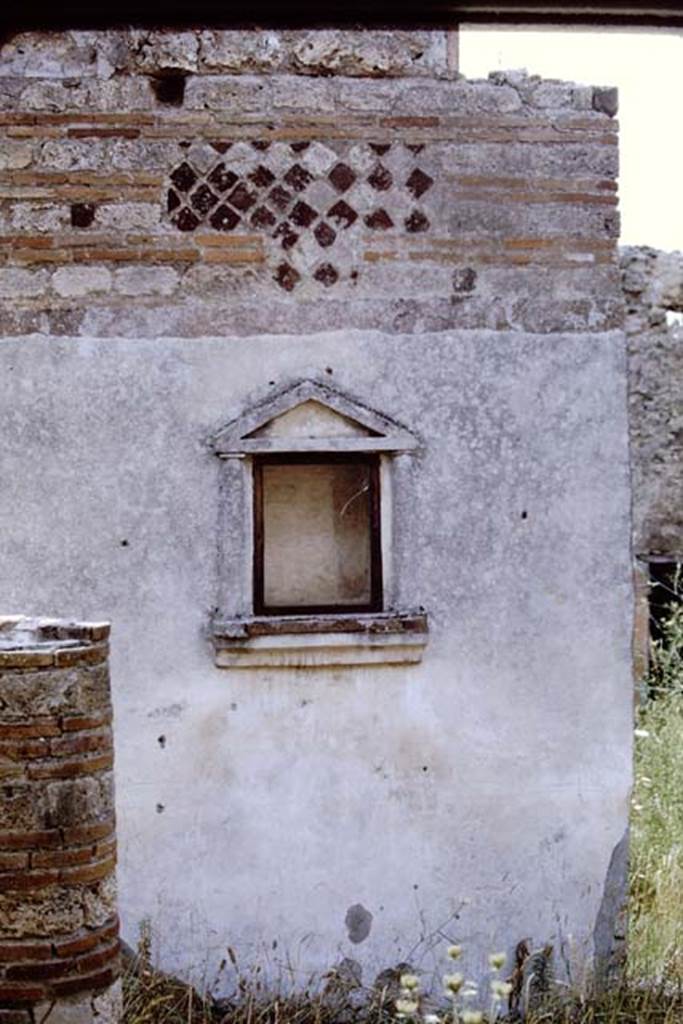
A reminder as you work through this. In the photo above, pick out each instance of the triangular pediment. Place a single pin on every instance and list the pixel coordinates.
(310, 416)
(311, 419)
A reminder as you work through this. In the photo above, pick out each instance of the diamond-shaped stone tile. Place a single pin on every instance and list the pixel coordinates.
(172, 200)
(286, 234)
(418, 182)
(183, 177)
(221, 178)
(417, 221)
(287, 277)
(342, 177)
(303, 215)
(224, 219)
(378, 220)
(343, 214)
(202, 156)
(326, 274)
(318, 159)
(202, 199)
(324, 234)
(280, 197)
(297, 177)
(186, 220)
(380, 179)
(241, 198)
(261, 176)
(262, 217)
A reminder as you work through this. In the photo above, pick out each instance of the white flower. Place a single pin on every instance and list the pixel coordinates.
(453, 983)
(454, 952)
(410, 982)
(406, 1007)
(497, 960)
(472, 1017)
(641, 733)
(501, 988)
(431, 1018)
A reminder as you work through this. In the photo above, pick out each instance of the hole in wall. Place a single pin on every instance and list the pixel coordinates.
(169, 88)
(82, 214)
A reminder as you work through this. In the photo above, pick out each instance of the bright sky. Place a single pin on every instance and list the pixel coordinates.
(647, 67)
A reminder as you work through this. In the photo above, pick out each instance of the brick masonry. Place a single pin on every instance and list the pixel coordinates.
(162, 182)
(58, 923)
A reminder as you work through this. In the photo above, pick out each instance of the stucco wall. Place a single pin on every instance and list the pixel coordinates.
(482, 792)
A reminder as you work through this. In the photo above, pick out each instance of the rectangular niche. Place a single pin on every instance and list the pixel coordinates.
(307, 546)
(317, 544)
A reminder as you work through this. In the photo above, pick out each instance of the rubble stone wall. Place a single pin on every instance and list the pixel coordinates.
(58, 922)
(171, 182)
(653, 290)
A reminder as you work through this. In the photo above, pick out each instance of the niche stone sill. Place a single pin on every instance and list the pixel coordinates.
(309, 641)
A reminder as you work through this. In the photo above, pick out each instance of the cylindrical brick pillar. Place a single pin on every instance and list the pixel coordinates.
(59, 947)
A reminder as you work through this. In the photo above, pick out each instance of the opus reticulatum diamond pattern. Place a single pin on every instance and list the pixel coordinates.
(309, 199)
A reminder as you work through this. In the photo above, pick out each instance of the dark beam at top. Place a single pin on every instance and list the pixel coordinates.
(218, 13)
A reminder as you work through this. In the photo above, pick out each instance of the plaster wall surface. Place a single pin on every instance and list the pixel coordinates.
(307, 815)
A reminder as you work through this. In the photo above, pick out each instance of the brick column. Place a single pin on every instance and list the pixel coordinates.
(59, 947)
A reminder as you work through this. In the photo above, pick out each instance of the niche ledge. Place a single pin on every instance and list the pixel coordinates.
(310, 641)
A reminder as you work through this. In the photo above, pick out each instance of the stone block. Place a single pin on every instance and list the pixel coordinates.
(56, 912)
(136, 281)
(49, 55)
(368, 54)
(45, 217)
(240, 52)
(150, 51)
(15, 155)
(228, 94)
(16, 283)
(122, 217)
(77, 282)
(606, 101)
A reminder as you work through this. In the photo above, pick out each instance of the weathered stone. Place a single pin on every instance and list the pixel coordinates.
(128, 216)
(74, 282)
(606, 101)
(58, 925)
(158, 51)
(15, 155)
(234, 52)
(653, 285)
(20, 284)
(146, 280)
(228, 94)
